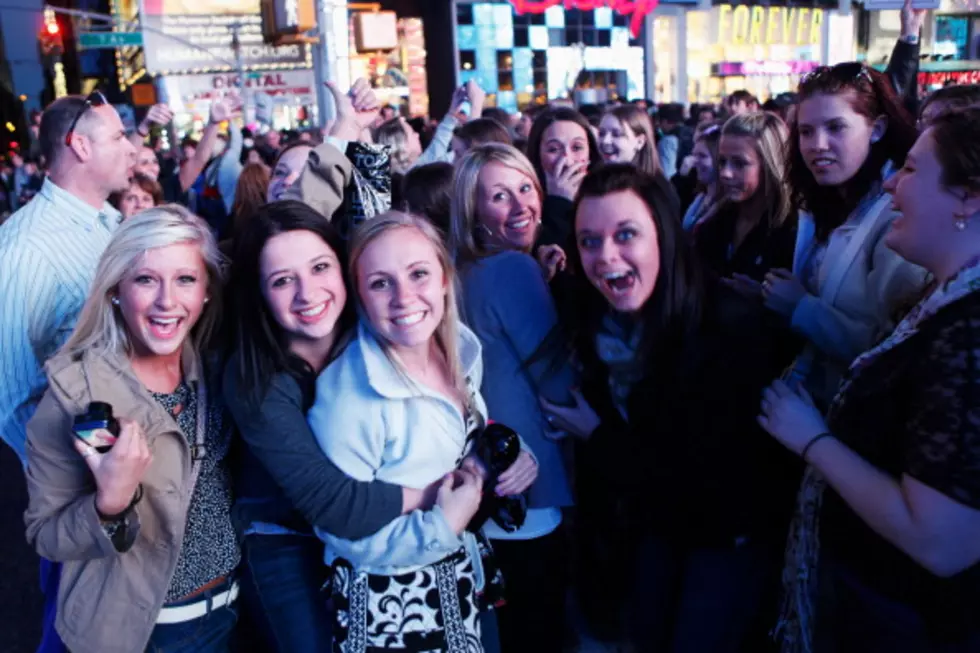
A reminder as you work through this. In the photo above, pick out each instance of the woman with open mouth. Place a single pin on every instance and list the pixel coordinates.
(144, 530)
(626, 136)
(885, 553)
(673, 362)
(845, 285)
(496, 216)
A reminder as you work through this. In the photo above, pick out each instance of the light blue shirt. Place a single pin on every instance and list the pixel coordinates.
(49, 251)
(374, 422)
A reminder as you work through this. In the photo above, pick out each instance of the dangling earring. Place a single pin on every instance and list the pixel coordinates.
(959, 220)
(115, 301)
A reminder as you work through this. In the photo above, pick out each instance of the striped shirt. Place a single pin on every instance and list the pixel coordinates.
(49, 250)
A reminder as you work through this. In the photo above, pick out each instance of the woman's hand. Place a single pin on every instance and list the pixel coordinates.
(226, 108)
(459, 497)
(790, 416)
(119, 471)
(565, 179)
(782, 292)
(518, 477)
(744, 285)
(159, 114)
(912, 20)
(579, 420)
(552, 259)
(357, 109)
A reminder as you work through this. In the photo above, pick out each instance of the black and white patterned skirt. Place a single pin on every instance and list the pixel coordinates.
(432, 609)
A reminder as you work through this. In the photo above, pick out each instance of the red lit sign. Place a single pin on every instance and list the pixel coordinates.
(635, 9)
(937, 78)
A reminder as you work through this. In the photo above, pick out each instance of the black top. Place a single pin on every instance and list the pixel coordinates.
(692, 461)
(915, 410)
(762, 250)
(210, 547)
(285, 478)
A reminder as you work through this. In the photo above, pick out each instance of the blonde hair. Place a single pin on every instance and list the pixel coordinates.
(392, 134)
(101, 327)
(447, 333)
(770, 135)
(647, 159)
(464, 242)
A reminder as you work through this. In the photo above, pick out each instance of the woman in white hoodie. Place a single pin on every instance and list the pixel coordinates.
(399, 405)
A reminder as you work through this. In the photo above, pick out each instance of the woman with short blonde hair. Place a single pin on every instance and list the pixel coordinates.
(470, 240)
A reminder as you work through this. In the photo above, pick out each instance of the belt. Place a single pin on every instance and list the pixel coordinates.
(182, 613)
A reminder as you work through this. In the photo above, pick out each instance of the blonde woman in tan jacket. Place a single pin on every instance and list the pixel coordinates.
(143, 530)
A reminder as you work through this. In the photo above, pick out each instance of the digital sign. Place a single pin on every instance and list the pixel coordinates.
(636, 10)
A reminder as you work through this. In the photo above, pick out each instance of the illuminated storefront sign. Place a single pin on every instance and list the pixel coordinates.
(744, 25)
(940, 78)
(771, 68)
(635, 9)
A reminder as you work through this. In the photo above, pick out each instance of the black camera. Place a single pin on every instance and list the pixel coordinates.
(97, 427)
(497, 447)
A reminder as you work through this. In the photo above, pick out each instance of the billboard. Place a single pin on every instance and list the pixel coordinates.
(194, 36)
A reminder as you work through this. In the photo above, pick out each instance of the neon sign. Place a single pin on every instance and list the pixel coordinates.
(635, 9)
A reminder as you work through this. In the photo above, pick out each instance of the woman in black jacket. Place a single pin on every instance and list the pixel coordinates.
(674, 364)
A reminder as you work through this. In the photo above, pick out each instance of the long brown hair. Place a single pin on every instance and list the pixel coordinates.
(871, 95)
(250, 192)
(639, 123)
(547, 119)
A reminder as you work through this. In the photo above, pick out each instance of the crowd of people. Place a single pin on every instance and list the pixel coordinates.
(704, 382)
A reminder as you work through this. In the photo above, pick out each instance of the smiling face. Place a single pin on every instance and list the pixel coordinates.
(617, 142)
(739, 167)
(402, 288)
(508, 206)
(134, 200)
(835, 140)
(303, 285)
(563, 140)
(618, 244)
(287, 171)
(162, 298)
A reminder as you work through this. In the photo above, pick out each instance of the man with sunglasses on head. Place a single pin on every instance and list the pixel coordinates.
(49, 250)
(50, 247)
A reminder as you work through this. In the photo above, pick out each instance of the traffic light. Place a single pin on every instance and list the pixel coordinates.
(50, 39)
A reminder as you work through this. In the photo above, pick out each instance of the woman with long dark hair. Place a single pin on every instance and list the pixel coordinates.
(673, 364)
(289, 302)
(562, 149)
(846, 284)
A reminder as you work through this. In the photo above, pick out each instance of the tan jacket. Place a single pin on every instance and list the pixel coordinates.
(108, 601)
(323, 180)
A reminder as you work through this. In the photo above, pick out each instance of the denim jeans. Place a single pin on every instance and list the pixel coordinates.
(211, 633)
(695, 600)
(50, 578)
(282, 576)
